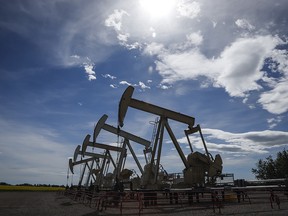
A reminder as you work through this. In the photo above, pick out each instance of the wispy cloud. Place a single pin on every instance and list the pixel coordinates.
(140, 84)
(143, 86)
(273, 122)
(188, 8)
(123, 82)
(42, 159)
(164, 87)
(195, 38)
(250, 142)
(113, 86)
(114, 21)
(244, 24)
(108, 76)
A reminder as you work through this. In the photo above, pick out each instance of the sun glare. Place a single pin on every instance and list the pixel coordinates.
(157, 8)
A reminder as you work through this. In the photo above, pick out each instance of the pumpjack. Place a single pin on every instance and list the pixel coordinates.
(97, 164)
(120, 172)
(199, 168)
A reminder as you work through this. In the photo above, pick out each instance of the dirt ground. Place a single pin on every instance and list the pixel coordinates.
(40, 203)
(52, 203)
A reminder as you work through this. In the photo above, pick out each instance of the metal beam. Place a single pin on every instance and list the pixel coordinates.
(127, 101)
(87, 143)
(176, 144)
(102, 125)
(134, 156)
(84, 153)
(194, 130)
(72, 164)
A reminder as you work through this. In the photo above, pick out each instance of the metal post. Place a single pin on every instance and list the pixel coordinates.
(159, 149)
(173, 138)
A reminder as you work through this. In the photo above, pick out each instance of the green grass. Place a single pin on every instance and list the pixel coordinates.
(29, 188)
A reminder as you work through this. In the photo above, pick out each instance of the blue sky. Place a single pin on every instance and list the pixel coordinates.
(64, 64)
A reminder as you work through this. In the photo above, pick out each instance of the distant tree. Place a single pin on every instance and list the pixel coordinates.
(4, 183)
(24, 184)
(272, 169)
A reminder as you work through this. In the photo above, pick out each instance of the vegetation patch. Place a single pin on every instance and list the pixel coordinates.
(29, 188)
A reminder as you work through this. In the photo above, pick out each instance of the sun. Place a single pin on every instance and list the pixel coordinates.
(157, 8)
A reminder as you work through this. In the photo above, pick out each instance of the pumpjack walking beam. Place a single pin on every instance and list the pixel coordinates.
(87, 142)
(127, 100)
(102, 125)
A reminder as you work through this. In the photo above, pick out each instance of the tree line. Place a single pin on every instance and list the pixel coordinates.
(33, 185)
(270, 168)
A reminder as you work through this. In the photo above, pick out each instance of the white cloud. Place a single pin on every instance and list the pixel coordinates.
(130, 46)
(113, 86)
(269, 81)
(275, 100)
(86, 63)
(273, 122)
(108, 76)
(182, 66)
(237, 69)
(245, 100)
(75, 56)
(125, 83)
(188, 8)
(153, 49)
(195, 38)
(280, 60)
(89, 71)
(164, 87)
(249, 142)
(123, 37)
(244, 24)
(143, 86)
(242, 63)
(115, 20)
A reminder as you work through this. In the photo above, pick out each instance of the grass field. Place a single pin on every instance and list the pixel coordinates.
(29, 188)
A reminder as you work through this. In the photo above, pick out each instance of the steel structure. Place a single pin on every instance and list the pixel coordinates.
(123, 150)
(97, 164)
(196, 165)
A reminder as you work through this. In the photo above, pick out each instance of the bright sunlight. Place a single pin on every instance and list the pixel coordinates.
(157, 8)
